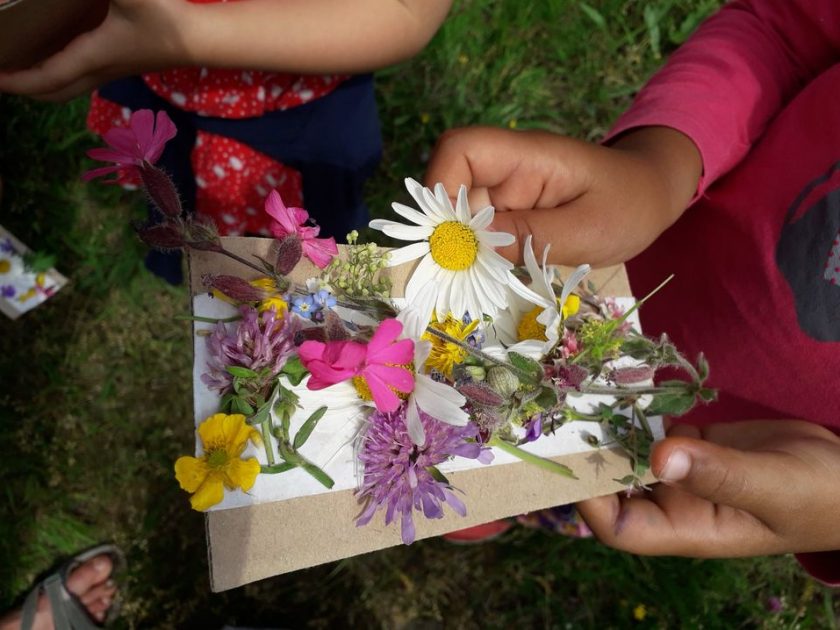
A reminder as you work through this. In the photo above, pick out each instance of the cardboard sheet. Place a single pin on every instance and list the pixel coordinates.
(252, 542)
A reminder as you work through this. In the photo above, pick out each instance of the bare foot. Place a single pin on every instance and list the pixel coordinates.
(90, 582)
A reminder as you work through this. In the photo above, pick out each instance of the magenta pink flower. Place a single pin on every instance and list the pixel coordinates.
(131, 147)
(380, 364)
(292, 221)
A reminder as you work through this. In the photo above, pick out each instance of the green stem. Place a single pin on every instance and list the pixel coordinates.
(638, 304)
(278, 468)
(530, 458)
(523, 376)
(265, 426)
(245, 262)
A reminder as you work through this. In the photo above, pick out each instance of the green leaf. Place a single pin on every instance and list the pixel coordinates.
(670, 404)
(277, 468)
(261, 415)
(226, 401)
(547, 398)
(322, 477)
(438, 476)
(241, 372)
(702, 367)
(530, 367)
(593, 14)
(238, 405)
(652, 17)
(627, 480)
(294, 370)
(306, 430)
(707, 394)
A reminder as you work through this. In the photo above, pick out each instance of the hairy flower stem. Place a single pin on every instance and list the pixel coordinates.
(239, 259)
(530, 458)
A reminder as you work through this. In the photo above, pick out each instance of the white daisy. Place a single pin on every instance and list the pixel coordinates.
(539, 316)
(438, 400)
(457, 252)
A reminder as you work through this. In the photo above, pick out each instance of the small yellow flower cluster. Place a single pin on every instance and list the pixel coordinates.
(445, 355)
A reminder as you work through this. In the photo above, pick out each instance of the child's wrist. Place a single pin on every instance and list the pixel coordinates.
(672, 156)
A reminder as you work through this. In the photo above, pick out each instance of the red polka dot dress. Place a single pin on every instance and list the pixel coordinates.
(232, 179)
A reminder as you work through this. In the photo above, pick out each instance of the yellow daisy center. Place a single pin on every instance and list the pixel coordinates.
(454, 246)
(444, 354)
(529, 327)
(5, 266)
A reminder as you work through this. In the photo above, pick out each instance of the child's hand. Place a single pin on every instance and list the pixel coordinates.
(136, 36)
(594, 204)
(729, 490)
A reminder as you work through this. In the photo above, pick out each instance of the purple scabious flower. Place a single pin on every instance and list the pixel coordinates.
(257, 341)
(397, 473)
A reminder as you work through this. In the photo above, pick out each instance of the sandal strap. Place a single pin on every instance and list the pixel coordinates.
(67, 611)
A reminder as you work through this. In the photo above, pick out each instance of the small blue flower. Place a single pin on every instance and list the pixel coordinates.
(7, 247)
(303, 306)
(7, 291)
(323, 299)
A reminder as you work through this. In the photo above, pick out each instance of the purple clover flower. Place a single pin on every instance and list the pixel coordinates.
(257, 341)
(397, 472)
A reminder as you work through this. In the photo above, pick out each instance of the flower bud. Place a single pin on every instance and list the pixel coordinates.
(502, 380)
(163, 236)
(479, 392)
(632, 375)
(161, 190)
(289, 252)
(202, 234)
(476, 372)
(233, 287)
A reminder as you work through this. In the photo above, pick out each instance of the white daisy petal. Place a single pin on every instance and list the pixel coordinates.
(407, 232)
(439, 211)
(412, 215)
(413, 422)
(527, 293)
(459, 297)
(440, 401)
(415, 189)
(496, 239)
(483, 218)
(424, 274)
(443, 198)
(575, 279)
(444, 280)
(407, 253)
(494, 290)
(531, 348)
(495, 258)
(462, 206)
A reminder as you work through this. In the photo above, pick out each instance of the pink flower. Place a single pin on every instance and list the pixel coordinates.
(131, 147)
(380, 364)
(292, 221)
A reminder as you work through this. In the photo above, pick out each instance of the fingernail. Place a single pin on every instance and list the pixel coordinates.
(677, 467)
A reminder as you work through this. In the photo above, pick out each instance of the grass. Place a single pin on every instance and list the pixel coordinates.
(95, 397)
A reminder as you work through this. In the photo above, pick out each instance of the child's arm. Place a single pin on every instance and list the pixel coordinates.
(300, 36)
(720, 90)
(731, 490)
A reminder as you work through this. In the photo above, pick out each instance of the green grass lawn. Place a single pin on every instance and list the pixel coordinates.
(95, 401)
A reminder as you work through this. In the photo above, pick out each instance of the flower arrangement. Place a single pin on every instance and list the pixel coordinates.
(479, 357)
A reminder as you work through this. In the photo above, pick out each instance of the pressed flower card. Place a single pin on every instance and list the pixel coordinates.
(27, 279)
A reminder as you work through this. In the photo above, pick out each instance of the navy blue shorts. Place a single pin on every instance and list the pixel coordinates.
(334, 141)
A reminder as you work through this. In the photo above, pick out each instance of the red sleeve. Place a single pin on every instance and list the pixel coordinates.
(723, 86)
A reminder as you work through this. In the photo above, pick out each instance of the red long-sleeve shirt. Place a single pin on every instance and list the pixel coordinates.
(757, 256)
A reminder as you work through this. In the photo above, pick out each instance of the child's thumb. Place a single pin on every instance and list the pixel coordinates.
(722, 475)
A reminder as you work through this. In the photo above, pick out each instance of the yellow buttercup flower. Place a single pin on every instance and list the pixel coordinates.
(223, 438)
(274, 299)
(571, 306)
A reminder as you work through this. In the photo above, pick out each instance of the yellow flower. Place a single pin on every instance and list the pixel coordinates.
(571, 306)
(445, 355)
(223, 438)
(640, 612)
(5, 266)
(512, 123)
(274, 299)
